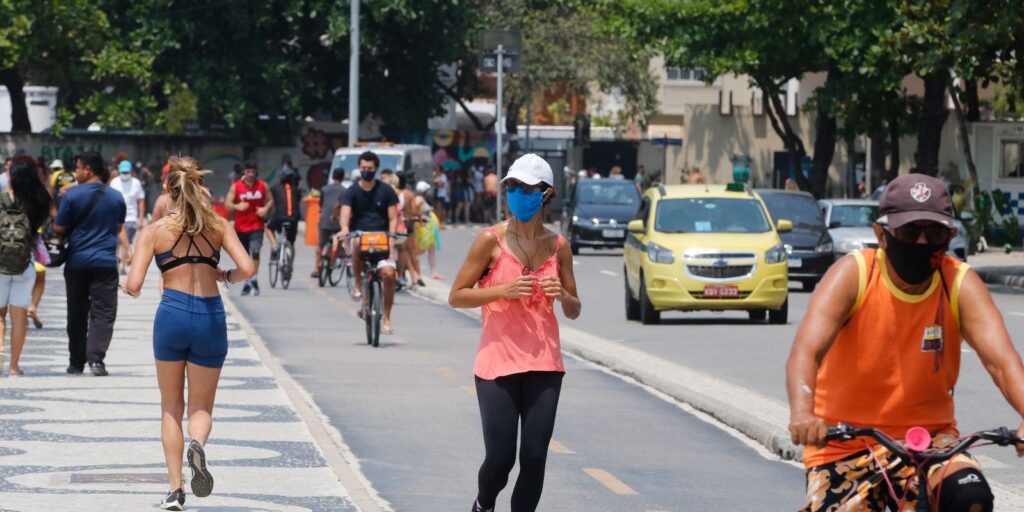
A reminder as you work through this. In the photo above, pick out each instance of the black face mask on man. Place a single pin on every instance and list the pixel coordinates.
(367, 175)
(914, 263)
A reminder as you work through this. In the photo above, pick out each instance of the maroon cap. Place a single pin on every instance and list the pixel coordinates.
(914, 197)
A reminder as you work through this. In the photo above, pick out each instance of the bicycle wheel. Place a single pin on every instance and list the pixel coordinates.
(368, 308)
(336, 270)
(324, 273)
(350, 278)
(272, 268)
(286, 264)
(378, 310)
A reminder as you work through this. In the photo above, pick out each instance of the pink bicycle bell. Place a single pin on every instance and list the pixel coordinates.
(918, 439)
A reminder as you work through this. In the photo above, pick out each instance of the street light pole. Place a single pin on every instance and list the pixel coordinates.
(353, 78)
(497, 128)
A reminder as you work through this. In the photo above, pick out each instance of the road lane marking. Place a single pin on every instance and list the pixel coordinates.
(1014, 313)
(608, 480)
(557, 447)
(348, 306)
(470, 390)
(609, 273)
(575, 262)
(447, 372)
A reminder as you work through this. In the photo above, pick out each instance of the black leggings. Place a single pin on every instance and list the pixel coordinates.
(532, 396)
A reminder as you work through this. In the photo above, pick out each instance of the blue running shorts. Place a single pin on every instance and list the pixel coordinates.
(190, 328)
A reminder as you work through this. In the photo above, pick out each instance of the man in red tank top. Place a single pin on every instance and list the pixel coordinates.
(880, 347)
(251, 202)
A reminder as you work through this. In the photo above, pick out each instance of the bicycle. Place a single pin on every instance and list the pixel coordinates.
(281, 266)
(334, 265)
(374, 249)
(918, 453)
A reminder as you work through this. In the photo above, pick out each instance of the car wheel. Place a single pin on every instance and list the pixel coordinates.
(757, 315)
(632, 305)
(810, 284)
(779, 316)
(648, 315)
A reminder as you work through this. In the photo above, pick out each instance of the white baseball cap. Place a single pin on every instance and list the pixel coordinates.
(531, 170)
(57, 164)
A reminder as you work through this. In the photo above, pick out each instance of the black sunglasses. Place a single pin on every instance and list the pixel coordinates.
(910, 233)
(512, 186)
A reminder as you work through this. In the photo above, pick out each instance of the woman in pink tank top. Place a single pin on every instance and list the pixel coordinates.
(515, 272)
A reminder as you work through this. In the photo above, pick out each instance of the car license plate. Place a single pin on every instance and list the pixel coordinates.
(721, 291)
(796, 263)
(613, 233)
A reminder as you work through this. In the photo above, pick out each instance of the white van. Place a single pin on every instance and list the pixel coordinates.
(412, 160)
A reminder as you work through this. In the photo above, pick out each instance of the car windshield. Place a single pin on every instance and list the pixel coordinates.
(350, 162)
(798, 209)
(853, 215)
(608, 192)
(710, 215)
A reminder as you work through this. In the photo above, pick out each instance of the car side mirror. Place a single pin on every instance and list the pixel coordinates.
(784, 226)
(636, 227)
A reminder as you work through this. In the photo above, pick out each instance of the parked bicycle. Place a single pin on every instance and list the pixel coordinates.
(374, 251)
(281, 266)
(918, 453)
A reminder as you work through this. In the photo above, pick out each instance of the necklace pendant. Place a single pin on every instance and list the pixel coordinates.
(526, 271)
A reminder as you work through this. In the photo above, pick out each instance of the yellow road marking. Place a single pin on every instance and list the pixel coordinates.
(608, 480)
(470, 390)
(447, 372)
(557, 447)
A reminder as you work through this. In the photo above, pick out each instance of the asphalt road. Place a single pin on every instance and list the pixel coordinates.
(408, 411)
(728, 346)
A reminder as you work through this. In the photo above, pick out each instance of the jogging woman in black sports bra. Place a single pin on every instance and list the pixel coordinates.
(189, 331)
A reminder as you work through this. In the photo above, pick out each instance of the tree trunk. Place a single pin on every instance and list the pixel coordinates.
(933, 117)
(824, 150)
(965, 143)
(973, 102)
(894, 148)
(780, 124)
(11, 79)
(512, 128)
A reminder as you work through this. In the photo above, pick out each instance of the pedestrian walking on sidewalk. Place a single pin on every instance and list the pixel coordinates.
(515, 271)
(24, 209)
(189, 332)
(92, 216)
(134, 199)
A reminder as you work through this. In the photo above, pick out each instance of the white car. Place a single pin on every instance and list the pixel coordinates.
(849, 223)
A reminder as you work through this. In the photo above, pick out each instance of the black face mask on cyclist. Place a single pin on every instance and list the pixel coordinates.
(913, 262)
(367, 175)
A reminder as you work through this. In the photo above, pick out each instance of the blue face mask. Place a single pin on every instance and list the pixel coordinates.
(524, 206)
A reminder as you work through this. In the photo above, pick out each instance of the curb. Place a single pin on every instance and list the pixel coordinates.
(998, 277)
(758, 417)
(327, 438)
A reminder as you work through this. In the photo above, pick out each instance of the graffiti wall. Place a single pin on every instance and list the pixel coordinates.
(454, 149)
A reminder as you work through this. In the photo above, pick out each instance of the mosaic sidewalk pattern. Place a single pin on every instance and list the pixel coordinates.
(86, 443)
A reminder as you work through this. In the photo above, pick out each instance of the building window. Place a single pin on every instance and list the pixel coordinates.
(1013, 159)
(686, 74)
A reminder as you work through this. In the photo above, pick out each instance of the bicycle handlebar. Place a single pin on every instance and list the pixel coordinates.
(1001, 436)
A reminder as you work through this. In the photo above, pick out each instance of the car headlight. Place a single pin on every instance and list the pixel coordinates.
(595, 221)
(659, 254)
(824, 245)
(575, 219)
(776, 254)
(845, 246)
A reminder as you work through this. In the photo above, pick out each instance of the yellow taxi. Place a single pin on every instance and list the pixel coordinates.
(705, 248)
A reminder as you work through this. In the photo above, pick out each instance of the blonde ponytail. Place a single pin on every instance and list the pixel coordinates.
(194, 214)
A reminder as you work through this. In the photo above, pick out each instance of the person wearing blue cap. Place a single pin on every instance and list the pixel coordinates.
(135, 202)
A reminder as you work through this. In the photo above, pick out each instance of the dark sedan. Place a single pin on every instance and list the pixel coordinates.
(597, 213)
(809, 244)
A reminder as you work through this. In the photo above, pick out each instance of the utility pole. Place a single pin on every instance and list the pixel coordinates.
(353, 77)
(498, 126)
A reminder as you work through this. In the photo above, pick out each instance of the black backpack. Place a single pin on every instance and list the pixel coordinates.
(15, 238)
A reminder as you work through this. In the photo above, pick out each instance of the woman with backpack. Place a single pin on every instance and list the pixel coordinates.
(24, 208)
(190, 331)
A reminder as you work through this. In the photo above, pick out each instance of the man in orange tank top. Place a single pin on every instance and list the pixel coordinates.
(880, 347)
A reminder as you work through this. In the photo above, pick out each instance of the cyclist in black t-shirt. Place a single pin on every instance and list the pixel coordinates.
(369, 205)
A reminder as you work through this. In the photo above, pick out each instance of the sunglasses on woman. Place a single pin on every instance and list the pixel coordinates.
(512, 186)
(910, 233)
